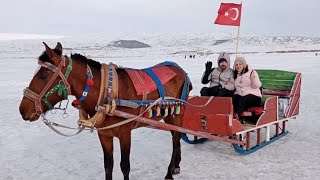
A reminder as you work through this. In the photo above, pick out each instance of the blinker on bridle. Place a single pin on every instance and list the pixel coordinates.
(63, 87)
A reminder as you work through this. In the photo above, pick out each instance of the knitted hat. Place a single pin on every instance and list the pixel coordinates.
(242, 60)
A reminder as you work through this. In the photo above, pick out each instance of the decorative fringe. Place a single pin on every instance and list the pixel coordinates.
(146, 114)
(158, 111)
(172, 110)
(150, 113)
(165, 109)
(154, 111)
(165, 112)
(182, 109)
(178, 109)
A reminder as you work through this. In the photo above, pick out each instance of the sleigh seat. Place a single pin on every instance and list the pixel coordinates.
(278, 87)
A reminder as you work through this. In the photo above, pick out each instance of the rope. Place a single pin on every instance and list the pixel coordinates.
(52, 124)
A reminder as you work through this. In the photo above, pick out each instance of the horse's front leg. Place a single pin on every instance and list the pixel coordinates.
(125, 144)
(107, 146)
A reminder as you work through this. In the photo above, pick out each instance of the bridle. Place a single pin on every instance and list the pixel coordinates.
(63, 87)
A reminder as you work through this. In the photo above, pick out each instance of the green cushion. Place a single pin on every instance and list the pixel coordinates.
(276, 80)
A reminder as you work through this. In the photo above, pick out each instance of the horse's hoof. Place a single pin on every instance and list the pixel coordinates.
(176, 171)
(168, 179)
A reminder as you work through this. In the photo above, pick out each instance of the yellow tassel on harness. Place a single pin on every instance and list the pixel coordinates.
(158, 111)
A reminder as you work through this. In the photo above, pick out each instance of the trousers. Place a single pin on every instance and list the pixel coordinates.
(241, 103)
(216, 91)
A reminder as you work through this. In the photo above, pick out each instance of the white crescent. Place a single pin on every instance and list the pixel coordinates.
(237, 13)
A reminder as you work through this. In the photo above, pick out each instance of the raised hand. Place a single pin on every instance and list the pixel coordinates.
(208, 66)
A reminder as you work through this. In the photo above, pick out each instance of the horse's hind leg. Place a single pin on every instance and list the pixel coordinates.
(107, 146)
(125, 144)
(174, 167)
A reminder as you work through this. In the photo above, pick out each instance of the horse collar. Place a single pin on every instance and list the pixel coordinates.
(85, 92)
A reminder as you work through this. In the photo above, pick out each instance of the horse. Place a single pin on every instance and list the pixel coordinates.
(60, 76)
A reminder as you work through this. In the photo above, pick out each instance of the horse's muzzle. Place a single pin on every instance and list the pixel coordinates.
(28, 116)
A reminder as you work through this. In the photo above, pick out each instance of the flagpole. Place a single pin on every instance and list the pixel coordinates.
(238, 36)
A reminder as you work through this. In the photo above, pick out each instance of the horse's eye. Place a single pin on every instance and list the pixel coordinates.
(43, 75)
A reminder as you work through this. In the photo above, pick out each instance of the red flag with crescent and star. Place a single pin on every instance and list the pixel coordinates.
(229, 14)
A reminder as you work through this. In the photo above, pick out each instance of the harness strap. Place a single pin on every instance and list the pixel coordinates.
(51, 126)
(110, 82)
(185, 89)
(57, 72)
(156, 81)
(111, 87)
(85, 92)
(61, 87)
(99, 116)
(137, 103)
(30, 94)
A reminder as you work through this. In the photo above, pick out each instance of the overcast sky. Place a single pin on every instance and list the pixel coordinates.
(70, 17)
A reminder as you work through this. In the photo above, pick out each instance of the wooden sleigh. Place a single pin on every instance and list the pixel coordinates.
(212, 117)
(267, 123)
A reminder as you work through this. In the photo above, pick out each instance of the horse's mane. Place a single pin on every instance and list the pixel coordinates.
(45, 58)
(90, 62)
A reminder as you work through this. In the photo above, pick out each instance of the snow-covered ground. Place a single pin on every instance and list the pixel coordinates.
(32, 151)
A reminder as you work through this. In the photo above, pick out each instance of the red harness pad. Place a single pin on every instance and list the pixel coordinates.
(142, 81)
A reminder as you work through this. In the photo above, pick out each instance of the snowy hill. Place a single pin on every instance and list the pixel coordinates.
(164, 44)
(128, 44)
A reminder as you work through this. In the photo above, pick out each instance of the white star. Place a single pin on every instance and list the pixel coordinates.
(226, 14)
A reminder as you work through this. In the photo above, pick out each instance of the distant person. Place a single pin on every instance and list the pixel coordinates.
(190, 56)
(247, 84)
(220, 78)
(194, 56)
(185, 56)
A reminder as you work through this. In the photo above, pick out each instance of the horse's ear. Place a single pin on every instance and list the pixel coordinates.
(48, 50)
(59, 48)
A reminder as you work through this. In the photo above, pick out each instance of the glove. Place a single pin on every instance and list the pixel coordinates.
(208, 66)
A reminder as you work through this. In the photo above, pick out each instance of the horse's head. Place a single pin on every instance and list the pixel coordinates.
(48, 86)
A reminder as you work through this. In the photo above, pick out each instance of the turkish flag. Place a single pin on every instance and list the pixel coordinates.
(229, 14)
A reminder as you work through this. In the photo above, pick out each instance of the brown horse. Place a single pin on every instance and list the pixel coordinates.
(59, 76)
